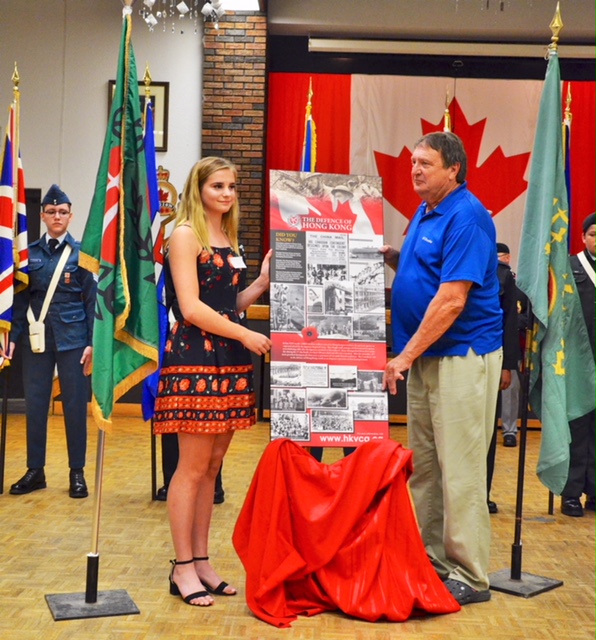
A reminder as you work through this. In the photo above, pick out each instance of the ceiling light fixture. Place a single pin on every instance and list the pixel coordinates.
(170, 13)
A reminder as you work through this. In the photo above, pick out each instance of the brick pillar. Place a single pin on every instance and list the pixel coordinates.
(234, 75)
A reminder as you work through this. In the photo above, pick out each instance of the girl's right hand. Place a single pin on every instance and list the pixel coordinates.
(256, 342)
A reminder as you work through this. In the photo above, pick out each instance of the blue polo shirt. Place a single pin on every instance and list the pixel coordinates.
(456, 241)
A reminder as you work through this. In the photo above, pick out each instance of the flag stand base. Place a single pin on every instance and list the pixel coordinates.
(72, 606)
(527, 586)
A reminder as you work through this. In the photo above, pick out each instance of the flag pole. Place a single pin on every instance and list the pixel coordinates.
(5, 334)
(4, 426)
(514, 581)
(147, 79)
(91, 603)
(15, 144)
(566, 127)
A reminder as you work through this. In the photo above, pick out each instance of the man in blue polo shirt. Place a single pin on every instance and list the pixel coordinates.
(447, 331)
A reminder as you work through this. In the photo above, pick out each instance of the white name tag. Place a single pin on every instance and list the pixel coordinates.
(237, 262)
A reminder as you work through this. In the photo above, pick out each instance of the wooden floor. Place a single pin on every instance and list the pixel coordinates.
(45, 538)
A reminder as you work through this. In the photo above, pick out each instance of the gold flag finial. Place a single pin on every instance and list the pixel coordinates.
(309, 100)
(447, 114)
(15, 77)
(147, 79)
(556, 25)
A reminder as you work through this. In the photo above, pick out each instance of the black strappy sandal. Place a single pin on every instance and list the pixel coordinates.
(220, 589)
(175, 591)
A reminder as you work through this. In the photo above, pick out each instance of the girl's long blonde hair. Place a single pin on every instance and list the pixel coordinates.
(191, 211)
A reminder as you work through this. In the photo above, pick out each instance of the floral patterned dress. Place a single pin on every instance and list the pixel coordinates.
(206, 381)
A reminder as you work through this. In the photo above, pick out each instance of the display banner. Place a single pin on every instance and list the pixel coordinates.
(327, 309)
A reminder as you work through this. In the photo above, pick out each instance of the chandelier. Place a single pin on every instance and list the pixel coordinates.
(170, 13)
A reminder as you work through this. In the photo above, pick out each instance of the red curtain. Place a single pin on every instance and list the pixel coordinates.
(288, 95)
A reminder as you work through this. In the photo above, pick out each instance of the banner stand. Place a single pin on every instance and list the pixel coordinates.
(513, 581)
(92, 604)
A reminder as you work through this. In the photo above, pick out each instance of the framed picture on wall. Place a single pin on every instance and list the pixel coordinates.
(159, 93)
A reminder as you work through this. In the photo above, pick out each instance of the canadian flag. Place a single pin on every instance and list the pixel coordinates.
(367, 125)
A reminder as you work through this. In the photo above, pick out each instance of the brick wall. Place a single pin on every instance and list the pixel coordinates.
(234, 85)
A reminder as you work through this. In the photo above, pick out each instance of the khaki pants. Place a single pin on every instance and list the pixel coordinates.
(451, 411)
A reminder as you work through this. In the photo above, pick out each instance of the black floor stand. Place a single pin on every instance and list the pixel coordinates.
(513, 581)
(91, 603)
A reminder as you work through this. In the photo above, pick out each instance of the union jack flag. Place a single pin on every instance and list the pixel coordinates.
(14, 253)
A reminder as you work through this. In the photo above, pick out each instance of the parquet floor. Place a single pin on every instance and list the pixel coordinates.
(45, 538)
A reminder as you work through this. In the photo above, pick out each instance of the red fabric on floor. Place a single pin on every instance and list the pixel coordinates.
(315, 537)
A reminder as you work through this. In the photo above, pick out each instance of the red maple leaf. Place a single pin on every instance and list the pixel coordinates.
(497, 182)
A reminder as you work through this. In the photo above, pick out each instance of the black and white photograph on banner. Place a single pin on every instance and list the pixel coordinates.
(287, 307)
(286, 374)
(290, 425)
(371, 381)
(314, 299)
(326, 421)
(323, 272)
(326, 398)
(367, 273)
(338, 298)
(369, 300)
(369, 328)
(288, 399)
(365, 248)
(369, 406)
(343, 376)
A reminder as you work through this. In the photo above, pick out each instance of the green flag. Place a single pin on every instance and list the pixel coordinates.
(562, 384)
(117, 246)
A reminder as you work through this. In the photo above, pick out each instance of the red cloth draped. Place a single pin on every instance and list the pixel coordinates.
(315, 537)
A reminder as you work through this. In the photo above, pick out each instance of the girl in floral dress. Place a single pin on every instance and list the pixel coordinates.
(206, 388)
